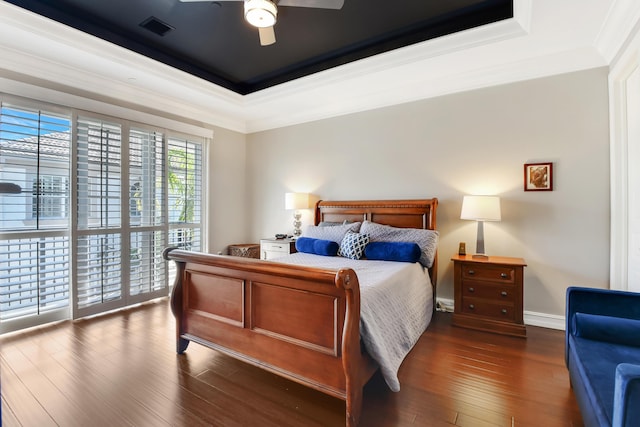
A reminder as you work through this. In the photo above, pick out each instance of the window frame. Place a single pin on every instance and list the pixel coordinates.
(125, 228)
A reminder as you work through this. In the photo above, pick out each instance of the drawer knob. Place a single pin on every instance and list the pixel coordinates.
(503, 293)
(471, 306)
(504, 311)
(504, 275)
(472, 272)
(472, 289)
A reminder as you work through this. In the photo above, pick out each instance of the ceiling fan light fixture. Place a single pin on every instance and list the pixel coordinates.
(260, 13)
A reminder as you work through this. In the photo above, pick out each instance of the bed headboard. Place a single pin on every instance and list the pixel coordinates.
(397, 213)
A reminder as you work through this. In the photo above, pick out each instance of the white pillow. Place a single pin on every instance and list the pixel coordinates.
(334, 233)
(426, 239)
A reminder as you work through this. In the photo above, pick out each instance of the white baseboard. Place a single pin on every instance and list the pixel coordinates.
(551, 321)
(544, 320)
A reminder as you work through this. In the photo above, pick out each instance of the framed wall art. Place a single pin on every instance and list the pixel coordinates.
(538, 177)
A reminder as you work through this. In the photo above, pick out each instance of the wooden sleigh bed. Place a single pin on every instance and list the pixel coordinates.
(301, 323)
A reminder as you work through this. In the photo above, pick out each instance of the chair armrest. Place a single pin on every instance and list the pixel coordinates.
(626, 411)
(605, 302)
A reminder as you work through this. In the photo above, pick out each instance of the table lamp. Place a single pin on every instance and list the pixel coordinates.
(295, 202)
(481, 209)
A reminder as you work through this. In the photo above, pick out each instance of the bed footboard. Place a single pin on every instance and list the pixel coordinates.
(298, 322)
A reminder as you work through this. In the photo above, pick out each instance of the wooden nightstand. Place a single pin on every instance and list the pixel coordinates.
(273, 248)
(488, 294)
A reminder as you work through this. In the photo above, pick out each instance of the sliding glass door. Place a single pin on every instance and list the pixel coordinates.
(98, 200)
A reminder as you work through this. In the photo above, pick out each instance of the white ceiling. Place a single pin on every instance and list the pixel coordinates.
(545, 37)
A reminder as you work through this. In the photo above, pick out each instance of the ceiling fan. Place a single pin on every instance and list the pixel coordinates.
(263, 14)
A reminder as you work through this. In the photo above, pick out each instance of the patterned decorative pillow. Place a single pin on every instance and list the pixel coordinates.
(352, 245)
(334, 233)
(426, 239)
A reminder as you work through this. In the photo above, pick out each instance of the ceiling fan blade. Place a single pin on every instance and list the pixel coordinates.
(267, 36)
(319, 4)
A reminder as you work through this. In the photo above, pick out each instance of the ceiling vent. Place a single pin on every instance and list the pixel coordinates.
(155, 25)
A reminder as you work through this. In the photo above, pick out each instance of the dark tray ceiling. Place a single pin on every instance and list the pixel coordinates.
(211, 40)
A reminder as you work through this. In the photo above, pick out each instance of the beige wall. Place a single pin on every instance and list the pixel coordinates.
(225, 191)
(469, 143)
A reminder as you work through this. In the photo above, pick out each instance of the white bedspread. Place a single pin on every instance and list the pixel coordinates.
(396, 305)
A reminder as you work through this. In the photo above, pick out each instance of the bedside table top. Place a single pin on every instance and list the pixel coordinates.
(274, 240)
(490, 260)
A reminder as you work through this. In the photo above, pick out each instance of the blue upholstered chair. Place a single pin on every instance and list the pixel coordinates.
(602, 353)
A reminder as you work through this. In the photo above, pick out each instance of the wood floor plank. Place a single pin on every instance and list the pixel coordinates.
(122, 369)
(19, 405)
(8, 416)
(287, 403)
(62, 410)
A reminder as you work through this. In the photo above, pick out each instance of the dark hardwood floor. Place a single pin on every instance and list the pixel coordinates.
(120, 369)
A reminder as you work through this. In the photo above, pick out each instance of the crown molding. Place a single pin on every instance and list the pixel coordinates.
(360, 85)
(11, 85)
(377, 91)
(35, 48)
(619, 26)
(41, 52)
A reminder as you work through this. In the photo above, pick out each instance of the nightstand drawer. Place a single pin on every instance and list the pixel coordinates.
(495, 292)
(496, 310)
(276, 247)
(496, 273)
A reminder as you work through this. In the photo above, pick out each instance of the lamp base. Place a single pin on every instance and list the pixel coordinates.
(297, 231)
(480, 256)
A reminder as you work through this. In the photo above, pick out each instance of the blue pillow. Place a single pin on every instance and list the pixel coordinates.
(426, 239)
(393, 251)
(305, 244)
(316, 246)
(325, 247)
(616, 330)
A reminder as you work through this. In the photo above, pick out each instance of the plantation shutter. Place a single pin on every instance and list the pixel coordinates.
(185, 193)
(99, 215)
(147, 218)
(34, 218)
(185, 163)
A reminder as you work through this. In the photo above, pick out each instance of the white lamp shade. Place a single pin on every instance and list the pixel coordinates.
(481, 208)
(296, 201)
